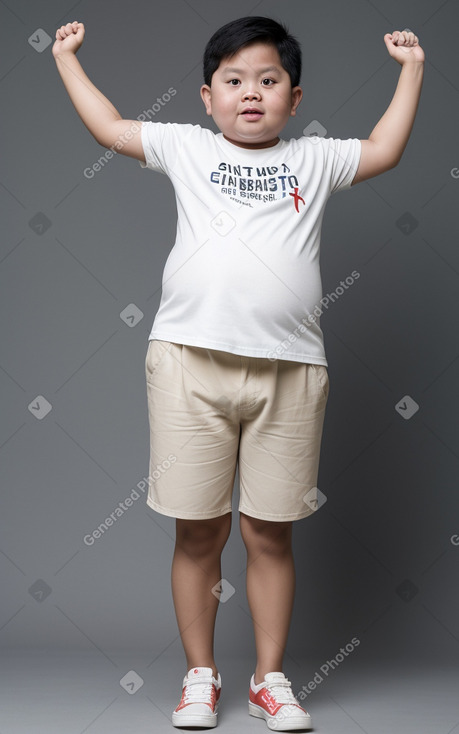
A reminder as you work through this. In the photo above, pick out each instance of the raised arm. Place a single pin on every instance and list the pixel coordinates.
(101, 118)
(384, 148)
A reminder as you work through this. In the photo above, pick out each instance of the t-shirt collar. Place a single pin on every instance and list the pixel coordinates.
(248, 152)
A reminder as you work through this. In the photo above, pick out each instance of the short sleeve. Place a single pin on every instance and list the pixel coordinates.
(342, 162)
(161, 143)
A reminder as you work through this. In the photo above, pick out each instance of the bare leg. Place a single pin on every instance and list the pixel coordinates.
(270, 588)
(196, 568)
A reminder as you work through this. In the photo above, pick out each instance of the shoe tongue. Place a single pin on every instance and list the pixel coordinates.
(275, 678)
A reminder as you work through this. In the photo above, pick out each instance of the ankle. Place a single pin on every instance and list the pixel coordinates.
(259, 676)
(260, 673)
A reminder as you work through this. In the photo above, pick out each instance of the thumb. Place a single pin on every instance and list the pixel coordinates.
(389, 40)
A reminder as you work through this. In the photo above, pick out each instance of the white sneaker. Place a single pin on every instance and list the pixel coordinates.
(200, 696)
(273, 701)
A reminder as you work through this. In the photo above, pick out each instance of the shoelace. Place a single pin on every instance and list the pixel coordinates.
(282, 692)
(198, 692)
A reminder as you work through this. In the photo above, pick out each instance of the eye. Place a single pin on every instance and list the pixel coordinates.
(269, 83)
(233, 80)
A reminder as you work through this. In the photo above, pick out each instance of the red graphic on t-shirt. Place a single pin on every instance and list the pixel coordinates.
(297, 198)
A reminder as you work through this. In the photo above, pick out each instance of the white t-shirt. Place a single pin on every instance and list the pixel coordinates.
(244, 275)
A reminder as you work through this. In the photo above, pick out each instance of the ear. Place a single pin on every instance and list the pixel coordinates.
(297, 94)
(206, 97)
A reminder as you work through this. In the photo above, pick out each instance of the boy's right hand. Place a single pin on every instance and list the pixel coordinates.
(68, 38)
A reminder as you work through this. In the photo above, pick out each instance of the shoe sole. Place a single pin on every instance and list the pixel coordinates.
(289, 723)
(208, 721)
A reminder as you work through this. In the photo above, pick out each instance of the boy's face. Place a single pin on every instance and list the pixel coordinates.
(252, 79)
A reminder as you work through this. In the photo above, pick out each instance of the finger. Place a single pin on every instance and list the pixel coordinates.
(412, 40)
(409, 38)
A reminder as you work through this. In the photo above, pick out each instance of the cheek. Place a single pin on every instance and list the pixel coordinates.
(223, 107)
(281, 102)
(281, 106)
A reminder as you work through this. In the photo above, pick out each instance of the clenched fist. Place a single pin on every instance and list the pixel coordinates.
(68, 38)
(404, 46)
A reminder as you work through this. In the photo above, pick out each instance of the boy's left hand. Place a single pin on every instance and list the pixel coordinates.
(404, 46)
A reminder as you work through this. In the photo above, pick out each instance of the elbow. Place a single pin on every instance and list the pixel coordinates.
(103, 141)
(396, 157)
(390, 159)
(393, 162)
(386, 156)
(388, 162)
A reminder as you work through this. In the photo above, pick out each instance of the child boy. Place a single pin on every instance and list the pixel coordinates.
(225, 380)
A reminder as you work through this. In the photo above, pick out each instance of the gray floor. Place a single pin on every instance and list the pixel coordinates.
(76, 692)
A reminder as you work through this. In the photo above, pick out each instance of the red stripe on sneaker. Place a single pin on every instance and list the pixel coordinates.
(182, 703)
(265, 700)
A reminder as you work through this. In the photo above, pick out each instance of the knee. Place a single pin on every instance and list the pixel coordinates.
(201, 538)
(262, 536)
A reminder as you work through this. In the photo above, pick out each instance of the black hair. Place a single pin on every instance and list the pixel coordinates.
(237, 34)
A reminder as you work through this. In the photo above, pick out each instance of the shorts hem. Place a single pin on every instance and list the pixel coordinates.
(272, 517)
(187, 515)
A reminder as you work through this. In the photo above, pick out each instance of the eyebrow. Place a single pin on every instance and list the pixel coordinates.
(230, 70)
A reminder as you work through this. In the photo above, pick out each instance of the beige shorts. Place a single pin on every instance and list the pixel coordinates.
(209, 410)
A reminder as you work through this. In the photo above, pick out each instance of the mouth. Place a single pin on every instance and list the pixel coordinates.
(251, 113)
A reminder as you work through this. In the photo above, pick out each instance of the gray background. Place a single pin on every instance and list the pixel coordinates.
(378, 560)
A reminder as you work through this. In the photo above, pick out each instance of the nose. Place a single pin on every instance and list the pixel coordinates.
(251, 95)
